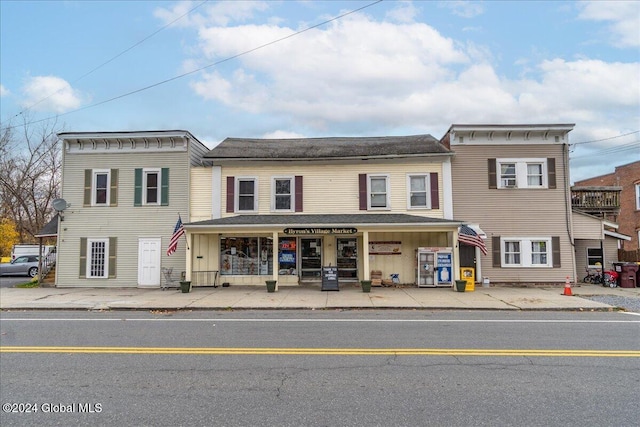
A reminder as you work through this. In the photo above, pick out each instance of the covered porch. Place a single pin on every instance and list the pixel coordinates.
(292, 249)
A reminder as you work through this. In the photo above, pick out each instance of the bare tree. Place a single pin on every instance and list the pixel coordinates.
(30, 166)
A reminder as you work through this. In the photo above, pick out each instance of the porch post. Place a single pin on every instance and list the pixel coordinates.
(275, 263)
(188, 263)
(456, 255)
(365, 255)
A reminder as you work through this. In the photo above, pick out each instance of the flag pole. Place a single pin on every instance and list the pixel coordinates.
(186, 241)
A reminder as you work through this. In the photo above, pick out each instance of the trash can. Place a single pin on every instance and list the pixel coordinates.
(628, 275)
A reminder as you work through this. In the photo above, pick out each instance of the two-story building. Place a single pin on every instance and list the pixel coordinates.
(125, 192)
(281, 209)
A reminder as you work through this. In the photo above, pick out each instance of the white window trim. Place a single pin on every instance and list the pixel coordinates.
(237, 193)
(291, 193)
(146, 171)
(387, 190)
(427, 179)
(94, 186)
(638, 199)
(90, 256)
(526, 255)
(522, 173)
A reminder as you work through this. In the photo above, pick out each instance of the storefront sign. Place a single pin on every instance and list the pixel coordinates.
(385, 248)
(323, 230)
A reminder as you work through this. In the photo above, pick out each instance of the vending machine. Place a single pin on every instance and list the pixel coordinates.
(434, 267)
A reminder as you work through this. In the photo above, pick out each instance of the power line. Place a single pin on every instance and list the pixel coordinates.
(605, 139)
(246, 52)
(633, 145)
(110, 60)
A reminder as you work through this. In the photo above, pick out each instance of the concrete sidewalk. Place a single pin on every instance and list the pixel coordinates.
(307, 297)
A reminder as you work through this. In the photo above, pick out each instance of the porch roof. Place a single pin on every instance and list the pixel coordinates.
(324, 221)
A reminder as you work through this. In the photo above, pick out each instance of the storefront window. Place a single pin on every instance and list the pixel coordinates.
(251, 256)
(287, 257)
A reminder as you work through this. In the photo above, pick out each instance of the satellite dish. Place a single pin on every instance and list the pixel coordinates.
(60, 204)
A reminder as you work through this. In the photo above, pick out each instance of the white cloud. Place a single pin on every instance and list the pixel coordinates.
(219, 13)
(405, 12)
(50, 93)
(4, 91)
(464, 9)
(624, 18)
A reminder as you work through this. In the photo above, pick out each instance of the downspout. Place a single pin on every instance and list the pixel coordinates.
(568, 211)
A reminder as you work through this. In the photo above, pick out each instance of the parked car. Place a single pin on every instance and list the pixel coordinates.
(23, 265)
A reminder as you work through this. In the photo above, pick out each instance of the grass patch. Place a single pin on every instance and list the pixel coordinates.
(32, 284)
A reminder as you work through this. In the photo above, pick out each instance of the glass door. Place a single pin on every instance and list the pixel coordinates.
(347, 258)
(310, 258)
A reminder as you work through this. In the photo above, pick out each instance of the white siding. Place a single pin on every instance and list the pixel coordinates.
(201, 191)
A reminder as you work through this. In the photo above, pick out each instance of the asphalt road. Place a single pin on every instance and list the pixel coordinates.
(320, 368)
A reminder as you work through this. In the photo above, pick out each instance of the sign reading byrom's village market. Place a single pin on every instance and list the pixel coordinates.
(323, 230)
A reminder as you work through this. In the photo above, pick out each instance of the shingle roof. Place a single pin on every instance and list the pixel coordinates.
(319, 148)
(323, 220)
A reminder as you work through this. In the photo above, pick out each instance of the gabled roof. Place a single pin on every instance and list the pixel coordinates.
(323, 220)
(327, 148)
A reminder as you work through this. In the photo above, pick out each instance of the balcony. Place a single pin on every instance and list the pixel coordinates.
(596, 200)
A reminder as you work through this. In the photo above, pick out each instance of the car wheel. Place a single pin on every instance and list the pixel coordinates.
(33, 271)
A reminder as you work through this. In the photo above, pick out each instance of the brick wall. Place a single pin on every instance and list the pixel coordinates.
(625, 176)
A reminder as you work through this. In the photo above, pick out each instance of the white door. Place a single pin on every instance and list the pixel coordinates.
(149, 261)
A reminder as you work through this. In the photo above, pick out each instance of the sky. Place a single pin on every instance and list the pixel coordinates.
(278, 69)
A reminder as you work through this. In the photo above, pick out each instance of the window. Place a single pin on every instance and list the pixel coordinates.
(151, 186)
(100, 193)
(251, 256)
(419, 194)
(282, 194)
(522, 173)
(378, 192)
(98, 258)
(246, 199)
(511, 252)
(638, 197)
(526, 252)
(594, 255)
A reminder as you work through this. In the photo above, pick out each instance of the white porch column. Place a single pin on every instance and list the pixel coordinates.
(456, 256)
(276, 246)
(365, 255)
(188, 261)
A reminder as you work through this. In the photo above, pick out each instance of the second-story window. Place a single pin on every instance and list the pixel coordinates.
(246, 196)
(522, 173)
(282, 194)
(151, 187)
(379, 192)
(100, 188)
(419, 191)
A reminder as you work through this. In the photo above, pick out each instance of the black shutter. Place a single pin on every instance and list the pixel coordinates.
(555, 250)
(113, 195)
(551, 172)
(493, 181)
(495, 251)
(137, 187)
(87, 187)
(83, 258)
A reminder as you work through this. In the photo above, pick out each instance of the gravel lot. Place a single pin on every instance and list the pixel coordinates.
(627, 303)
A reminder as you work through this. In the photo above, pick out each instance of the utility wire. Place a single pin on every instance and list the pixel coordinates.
(112, 59)
(605, 139)
(246, 52)
(633, 145)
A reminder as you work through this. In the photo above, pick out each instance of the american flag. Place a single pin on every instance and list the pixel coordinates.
(178, 231)
(470, 237)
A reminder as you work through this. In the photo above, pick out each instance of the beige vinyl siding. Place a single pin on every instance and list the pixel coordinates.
(334, 188)
(201, 192)
(512, 212)
(586, 227)
(125, 222)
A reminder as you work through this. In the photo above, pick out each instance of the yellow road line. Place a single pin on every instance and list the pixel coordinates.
(326, 351)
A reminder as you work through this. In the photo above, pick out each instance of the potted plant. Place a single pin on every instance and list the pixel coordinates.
(185, 286)
(271, 285)
(461, 285)
(366, 285)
